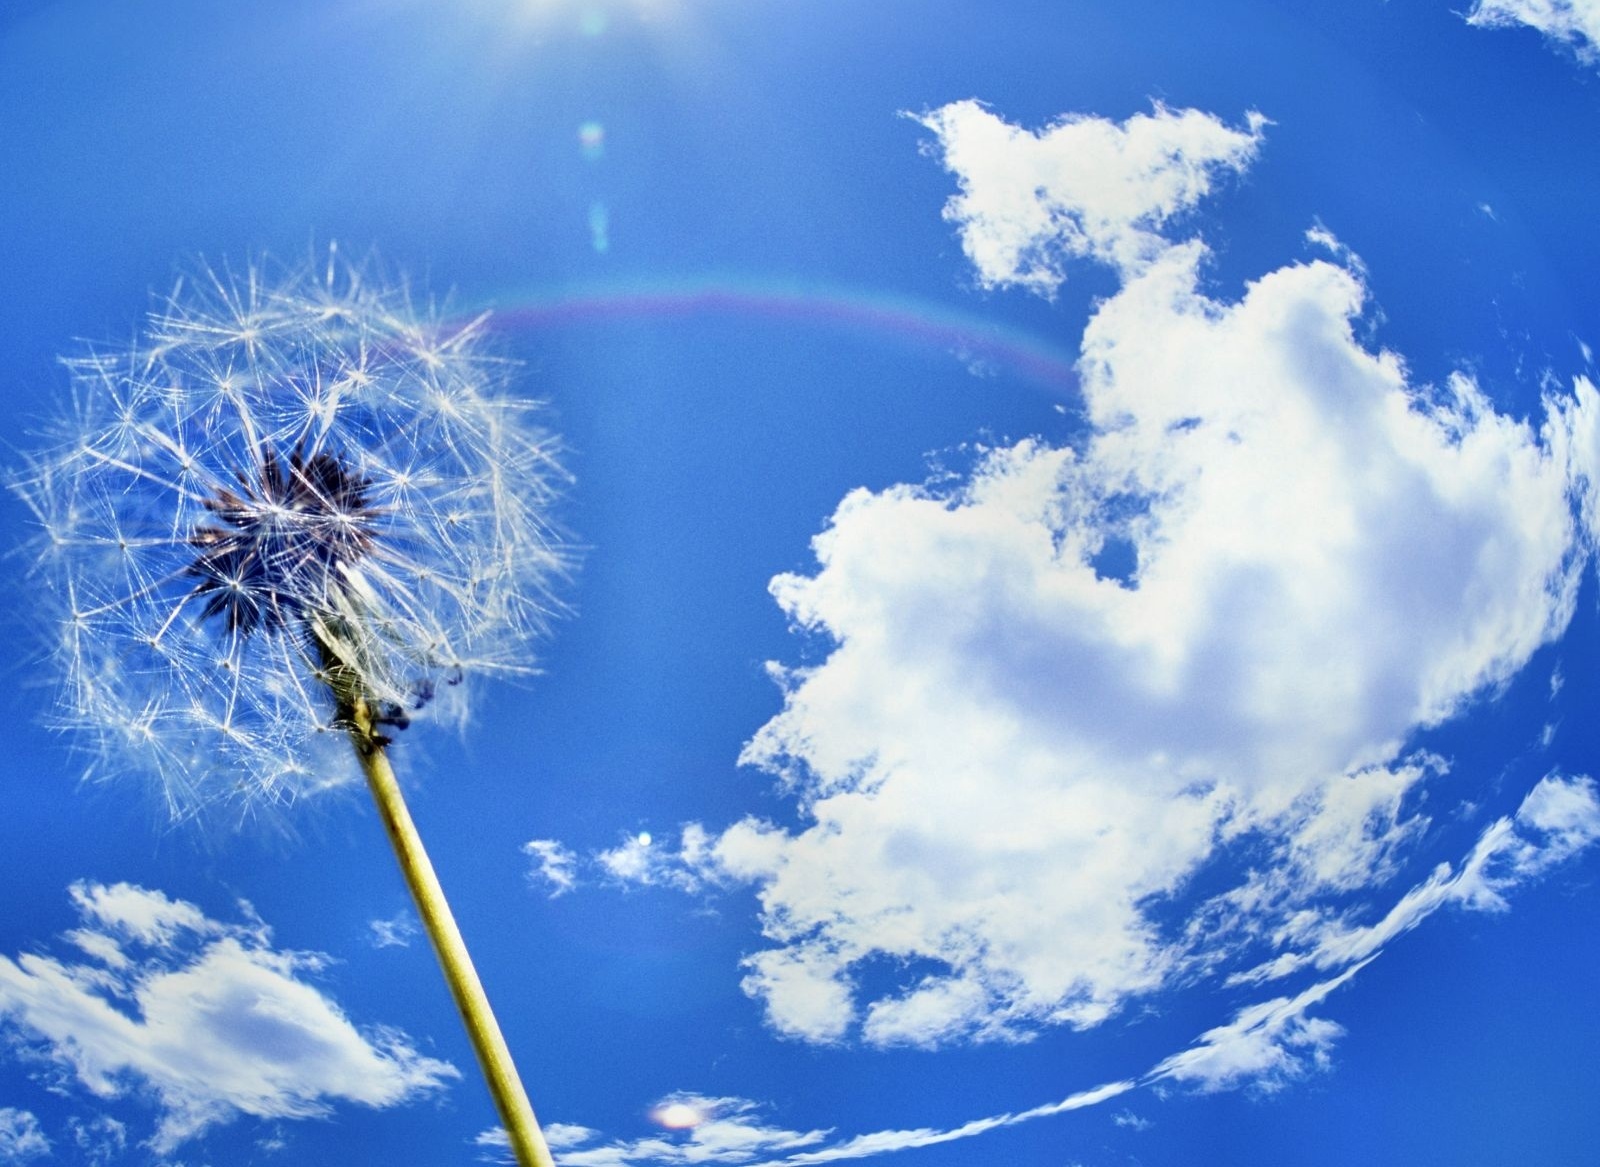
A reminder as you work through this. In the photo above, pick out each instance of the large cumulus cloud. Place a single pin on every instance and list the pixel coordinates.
(1059, 688)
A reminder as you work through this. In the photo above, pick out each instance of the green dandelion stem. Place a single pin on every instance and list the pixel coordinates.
(505, 1086)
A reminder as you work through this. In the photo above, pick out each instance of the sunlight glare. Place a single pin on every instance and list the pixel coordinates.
(678, 1116)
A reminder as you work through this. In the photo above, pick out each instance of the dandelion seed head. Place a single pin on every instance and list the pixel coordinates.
(290, 471)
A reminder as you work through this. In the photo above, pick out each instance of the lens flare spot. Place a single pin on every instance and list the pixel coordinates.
(678, 1116)
(599, 228)
(592, 141)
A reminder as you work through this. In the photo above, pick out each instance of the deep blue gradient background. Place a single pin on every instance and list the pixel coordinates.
(751, 144)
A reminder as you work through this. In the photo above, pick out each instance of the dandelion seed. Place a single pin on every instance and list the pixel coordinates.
(282, 478)
(295, 512)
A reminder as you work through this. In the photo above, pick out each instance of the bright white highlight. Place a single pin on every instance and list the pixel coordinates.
(678, 1116)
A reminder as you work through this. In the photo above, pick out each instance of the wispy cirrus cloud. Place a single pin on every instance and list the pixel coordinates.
(554, 865)
(1559, 818)
(100, 1139)
(698, 1129)
(397, 931)
(1575, 24)
(1265, 1046)
(207, 1017)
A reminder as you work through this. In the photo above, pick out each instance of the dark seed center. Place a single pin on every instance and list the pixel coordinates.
(281, 545)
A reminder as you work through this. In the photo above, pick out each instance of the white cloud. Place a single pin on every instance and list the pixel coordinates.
(1081, 187)
(554, 865)
(206, 1016)
(730, 1130)
(1264, 1046)
(727, 1130)
(100, 1140)
(634, 860)
(1558, 818)
(395, 932)
(639, 859)
(1011, 763)
(1580, 430)
(21, 1139)
(882, 1142)
(1574, 23)
(137, 914)
(494, 1145)
(642, 859)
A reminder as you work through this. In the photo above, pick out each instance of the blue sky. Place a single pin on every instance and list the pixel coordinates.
(1083, 635)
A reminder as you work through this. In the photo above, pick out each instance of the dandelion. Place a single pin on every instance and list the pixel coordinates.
(296, 513)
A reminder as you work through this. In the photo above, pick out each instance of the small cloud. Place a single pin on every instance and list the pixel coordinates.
(1320, 236)
(1572, 24)
(641, 859)
(135, 913)
(564, 1136)
(21, 1139)
(395, 932)
(554, 865)
(1081, 187)
(635, 860)
(100, 1140)
(723, 1130)
(729, 1130)
(494, 1145)
(1131, 1121)
(1559, 818)
(1265, 1046)
(206, 1018)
